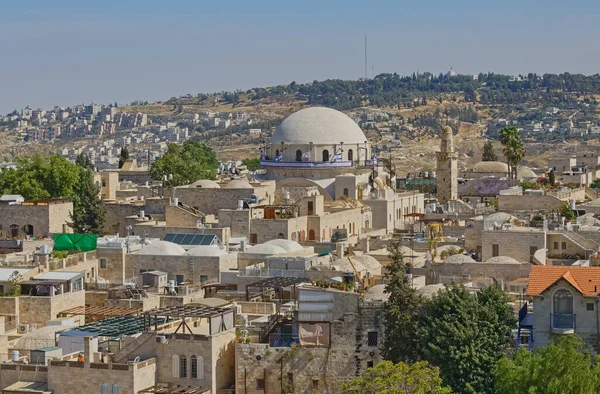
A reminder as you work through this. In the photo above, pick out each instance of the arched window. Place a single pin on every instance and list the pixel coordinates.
(350, 155)
(28, 229)
(14, 230)
(104, 389)
(325, 155)
(174, 366)
(311, 234)
(276, 152)
(280, 236)
(197, 367)
(298, 155)
(346, 192)
(115, 389)
(563, 309)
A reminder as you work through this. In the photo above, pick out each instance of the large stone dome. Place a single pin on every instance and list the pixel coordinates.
(318, 125)
(491, 166)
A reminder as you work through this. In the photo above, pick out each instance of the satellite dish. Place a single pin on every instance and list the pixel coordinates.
(136, 360)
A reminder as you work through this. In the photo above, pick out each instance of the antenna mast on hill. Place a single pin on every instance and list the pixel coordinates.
(366, 56)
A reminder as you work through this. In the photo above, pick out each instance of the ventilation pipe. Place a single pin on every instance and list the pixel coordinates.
(143, 214)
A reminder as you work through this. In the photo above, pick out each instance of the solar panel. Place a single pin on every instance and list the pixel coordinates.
(192, 239)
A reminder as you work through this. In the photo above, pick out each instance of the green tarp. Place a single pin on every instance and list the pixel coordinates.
(79, 242)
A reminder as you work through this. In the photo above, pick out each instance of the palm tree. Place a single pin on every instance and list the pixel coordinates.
(514, 149)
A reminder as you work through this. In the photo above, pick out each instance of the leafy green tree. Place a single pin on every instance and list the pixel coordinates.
(563, 367)
(565, 211)
(514, 149)
(252, 164)
(187, 163)
(465, 335)
(595, 183)
(84, 161)
(14, 282)
(488, 152)
(401, 311)
(389, 378)
(552, 178)
(88, 212)
(123, 156)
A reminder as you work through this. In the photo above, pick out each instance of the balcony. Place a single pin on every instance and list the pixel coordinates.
(563, 323)
(305, 164)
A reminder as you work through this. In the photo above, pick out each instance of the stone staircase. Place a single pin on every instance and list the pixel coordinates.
(590, 193)
(588, 245)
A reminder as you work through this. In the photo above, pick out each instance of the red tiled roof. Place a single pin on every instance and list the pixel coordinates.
(586, 280)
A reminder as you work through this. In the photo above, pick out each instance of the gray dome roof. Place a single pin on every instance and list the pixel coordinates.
(162, 248)
(267, 249)
(206, 250)
(459, 259)
(287, 244)
(491, 166)
(502, 260)
(237, 184)
(525, 172)
(206, 184)
(318, 125)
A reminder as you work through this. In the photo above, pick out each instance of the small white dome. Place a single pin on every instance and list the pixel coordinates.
(162, 248)
(287, 244)
(502, 260)
(459, 259)
(320, 126)
(206, 250)
(206, 184)
(429, 291)
(265, 249)
(376, 293)
(238, 184)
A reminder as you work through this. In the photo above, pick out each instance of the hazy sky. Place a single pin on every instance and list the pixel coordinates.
(80, 51)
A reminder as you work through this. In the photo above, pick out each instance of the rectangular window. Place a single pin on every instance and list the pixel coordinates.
(103, 263)
(372, 338)
(555, 245)
(179, 279)
(315, 384)
(183, 367)
(495, 250)
(369, 364)
(563, 245)
(203, 278)
(590, 306)
(194, 367)
(260, 384)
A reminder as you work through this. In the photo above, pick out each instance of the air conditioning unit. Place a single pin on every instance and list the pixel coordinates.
(23, 328)
(161, 339)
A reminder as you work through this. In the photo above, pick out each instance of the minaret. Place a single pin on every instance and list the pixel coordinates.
(447, 169)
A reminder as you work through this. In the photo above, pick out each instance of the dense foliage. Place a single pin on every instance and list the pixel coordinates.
(252, 164)
(185, 164)
(488, 152)
(401, 312)
(39, 177)
(465, 335)
(563, 367)
(389, 378)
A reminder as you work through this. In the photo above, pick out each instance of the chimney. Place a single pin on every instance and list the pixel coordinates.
(88, 351)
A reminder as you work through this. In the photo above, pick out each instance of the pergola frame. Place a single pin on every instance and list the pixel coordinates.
(275, 283)
(104, 311)
(183, 312)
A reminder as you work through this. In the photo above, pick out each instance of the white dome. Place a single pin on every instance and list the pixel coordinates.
(206, 250)
(266, 249)
(287, 244)
(162, 248)
(238, 184)
(459, 259)
(491, 166)
(206, 184)
(501, 260)
(318, 125)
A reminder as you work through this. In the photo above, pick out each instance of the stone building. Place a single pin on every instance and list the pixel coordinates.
(35, 218)
(447, 168)
(122, 259)
(336, 337)
(108, 181)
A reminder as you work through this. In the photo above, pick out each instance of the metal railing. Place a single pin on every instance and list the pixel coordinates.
(562, 320)
(306, 164)
(273, 273)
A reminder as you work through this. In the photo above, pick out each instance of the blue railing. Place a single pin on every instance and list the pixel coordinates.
(563, 320)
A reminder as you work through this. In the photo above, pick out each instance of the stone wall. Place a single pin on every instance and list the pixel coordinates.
(96, 298)
(13, 373)
(45, 217)
(38, 310)
(448, 273)
(210, 201)
(528, 203)
(237, 220)
(512, 243)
